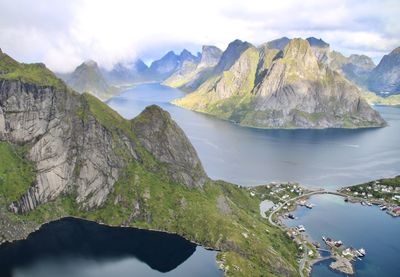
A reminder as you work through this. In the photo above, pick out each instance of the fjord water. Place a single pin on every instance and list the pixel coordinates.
(357, 226)
(327, 158)
(74, 247)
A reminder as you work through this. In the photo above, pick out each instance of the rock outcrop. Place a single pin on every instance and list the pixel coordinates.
(292, 88)
(385, 78)
(164, 139)
(80, 146)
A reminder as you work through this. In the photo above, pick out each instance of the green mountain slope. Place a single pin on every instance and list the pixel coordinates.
(72, 155)
(268, 88)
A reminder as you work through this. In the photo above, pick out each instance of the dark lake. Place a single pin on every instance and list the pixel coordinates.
(327, 158)
(79, 248)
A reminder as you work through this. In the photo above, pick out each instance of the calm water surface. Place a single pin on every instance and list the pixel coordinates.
(73, 247)
(327, 158)
(357, 226)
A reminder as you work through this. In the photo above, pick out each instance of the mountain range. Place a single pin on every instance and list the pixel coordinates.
(68, 154)
(292, 86)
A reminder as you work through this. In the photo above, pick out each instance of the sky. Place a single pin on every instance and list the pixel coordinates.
(63, 33)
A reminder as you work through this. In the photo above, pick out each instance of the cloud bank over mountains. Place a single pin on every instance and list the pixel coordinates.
(63, 33)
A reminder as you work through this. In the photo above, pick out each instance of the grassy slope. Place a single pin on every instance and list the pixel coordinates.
(372, 98)
(143, 198)
(28, 73)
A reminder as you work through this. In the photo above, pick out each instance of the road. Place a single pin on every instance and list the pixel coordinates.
(306, 249)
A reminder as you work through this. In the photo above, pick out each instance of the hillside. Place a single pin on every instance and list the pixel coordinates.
(269, 88)
(69, 154)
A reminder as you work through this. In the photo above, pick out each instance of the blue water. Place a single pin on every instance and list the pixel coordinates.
(79, 248)
(328, 158)
(357, 226)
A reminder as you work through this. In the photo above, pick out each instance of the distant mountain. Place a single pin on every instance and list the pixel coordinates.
(279, 43)
(88, 77)
(170, 63)
(192, 72)
(127, 73)
(385, 78)
(356, 68)
(269, 88)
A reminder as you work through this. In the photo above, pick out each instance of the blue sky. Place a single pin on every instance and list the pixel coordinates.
(63, 33)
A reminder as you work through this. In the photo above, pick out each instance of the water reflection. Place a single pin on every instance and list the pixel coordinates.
(73, 247)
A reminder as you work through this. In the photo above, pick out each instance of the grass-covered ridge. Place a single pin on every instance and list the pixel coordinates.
(36, 73)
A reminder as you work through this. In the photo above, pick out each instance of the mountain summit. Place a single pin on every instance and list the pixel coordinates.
(272, 88)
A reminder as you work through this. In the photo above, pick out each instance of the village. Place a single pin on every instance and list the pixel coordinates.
(385, 193)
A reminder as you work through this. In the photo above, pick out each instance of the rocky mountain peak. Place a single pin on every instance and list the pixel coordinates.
(279, 43)
(90, 63)
(164, 139)
(210, 55)
(315, 42)
(231, 54)
(385, 77)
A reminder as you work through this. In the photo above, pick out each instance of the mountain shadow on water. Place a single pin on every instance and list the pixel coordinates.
(70, 237)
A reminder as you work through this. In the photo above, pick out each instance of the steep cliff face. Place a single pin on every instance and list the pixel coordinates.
(163, 138)
(75, 150)
(292, 88)
(385, 78)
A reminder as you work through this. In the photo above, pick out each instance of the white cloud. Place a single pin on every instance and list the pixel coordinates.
(63, 33)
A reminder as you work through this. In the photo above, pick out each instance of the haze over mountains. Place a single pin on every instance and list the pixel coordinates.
(283, 83)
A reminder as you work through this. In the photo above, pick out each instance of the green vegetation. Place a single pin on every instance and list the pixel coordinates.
(28, 73)
(372, 98)
(383, 189)
(16, 173)
(220, 215)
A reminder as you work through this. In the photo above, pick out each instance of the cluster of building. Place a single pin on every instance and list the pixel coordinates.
(386, 196)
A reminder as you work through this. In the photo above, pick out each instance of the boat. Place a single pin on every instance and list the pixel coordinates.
(383, 208)
(301, 228)
(291, 216)
(309, 206)
(369, 203)
(363, 203)
(361, 252)
(338, 243)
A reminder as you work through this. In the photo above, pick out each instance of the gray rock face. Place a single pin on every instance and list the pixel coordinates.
(355, 68)
(210, 56)
(385, 78)
(76, 154)
(292, 88)
(231, 54)
(70, 155)
(166, 141)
